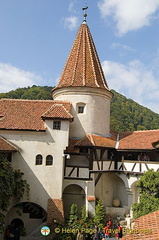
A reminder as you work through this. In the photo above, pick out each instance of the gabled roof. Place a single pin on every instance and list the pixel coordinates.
(29, 114)
(83, 68)
(141, 140)
(5, 146)
(57, 111)
(147, 224)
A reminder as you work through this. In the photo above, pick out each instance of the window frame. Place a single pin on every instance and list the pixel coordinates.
(56, 125)
(49, 160)
(39, 159)
(81, 108)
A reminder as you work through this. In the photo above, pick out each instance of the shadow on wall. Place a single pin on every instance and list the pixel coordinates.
(38, 201)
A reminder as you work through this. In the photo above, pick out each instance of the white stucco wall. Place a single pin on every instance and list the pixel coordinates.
(111, 186)
(45, 181)
(96, 117)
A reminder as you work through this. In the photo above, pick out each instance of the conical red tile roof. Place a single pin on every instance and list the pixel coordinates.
(83, 67)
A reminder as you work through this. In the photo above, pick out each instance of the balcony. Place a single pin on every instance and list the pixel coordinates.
(120, 166)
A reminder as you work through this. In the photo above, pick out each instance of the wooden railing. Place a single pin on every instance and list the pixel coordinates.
(127, 166)
(137, 166)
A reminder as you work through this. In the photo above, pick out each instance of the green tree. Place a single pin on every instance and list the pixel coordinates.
(99, 214)
(73, 213)
(149, 194)
(84, 213)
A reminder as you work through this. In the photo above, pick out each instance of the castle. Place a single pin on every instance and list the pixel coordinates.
(65, 147)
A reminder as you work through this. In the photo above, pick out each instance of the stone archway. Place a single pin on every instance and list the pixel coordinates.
(30, 214)
(73, 194)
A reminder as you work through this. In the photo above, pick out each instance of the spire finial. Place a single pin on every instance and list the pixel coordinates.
(85, 14)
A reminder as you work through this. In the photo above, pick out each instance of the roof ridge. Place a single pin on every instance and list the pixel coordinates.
(76, 60)
(67, 111)
(35, 100)
(140, 131)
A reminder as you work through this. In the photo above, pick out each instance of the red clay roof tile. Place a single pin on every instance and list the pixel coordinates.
(27, 114)
(92, 140)
(98, 141)
(138, 139)
(148, 222)
(5, 146)
(72, 146)
(83, 67)
(57, 111)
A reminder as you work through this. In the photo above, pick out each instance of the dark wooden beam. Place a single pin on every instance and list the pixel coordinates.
(71, 171)
(97, 179)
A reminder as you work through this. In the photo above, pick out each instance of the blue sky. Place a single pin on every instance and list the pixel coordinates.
(37, 35)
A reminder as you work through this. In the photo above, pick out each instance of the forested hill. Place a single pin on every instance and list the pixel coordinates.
(126, 115)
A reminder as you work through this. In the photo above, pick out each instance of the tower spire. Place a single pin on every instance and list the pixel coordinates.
(85, 13)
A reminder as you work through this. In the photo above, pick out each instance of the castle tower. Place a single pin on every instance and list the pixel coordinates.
(83, 84)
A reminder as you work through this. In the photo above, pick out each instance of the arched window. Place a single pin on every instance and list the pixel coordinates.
(39, 159)
(49, 160)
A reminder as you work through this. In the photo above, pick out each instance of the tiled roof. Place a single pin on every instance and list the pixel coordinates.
(27, 114)
(57, 111)
(149, 223)
(72, 146)
(5, 146)
(92, 140)
(98, 141)
(138, 139)
(83, 67)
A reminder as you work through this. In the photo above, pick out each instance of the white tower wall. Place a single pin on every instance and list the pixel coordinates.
(96, 115)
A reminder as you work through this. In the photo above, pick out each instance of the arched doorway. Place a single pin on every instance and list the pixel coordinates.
(73, 194)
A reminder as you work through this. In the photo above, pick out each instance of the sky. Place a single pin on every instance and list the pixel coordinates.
(37, 35)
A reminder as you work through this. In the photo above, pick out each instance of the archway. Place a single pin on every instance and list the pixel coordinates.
(73, 194)
(135, 192)
(111, 186)
(29, 215)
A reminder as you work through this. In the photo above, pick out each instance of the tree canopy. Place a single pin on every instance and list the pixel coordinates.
(148, 192)
(127, 115)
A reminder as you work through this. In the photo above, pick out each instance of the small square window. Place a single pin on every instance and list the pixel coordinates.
(57, 125)
(80, 109)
